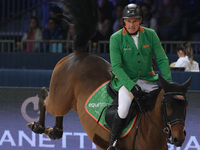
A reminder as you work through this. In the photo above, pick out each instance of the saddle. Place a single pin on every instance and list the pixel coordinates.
(146, 103)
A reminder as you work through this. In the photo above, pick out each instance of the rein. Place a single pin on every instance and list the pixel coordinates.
(150, 120)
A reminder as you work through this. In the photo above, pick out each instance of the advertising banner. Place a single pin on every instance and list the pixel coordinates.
(19, 106)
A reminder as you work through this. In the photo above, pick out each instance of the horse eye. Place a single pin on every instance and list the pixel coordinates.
(168, 106)
(169, 109)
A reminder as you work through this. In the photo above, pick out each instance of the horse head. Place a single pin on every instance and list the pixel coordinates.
(173, 108)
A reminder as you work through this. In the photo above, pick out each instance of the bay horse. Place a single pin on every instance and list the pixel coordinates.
(75, 78)
(78, 75)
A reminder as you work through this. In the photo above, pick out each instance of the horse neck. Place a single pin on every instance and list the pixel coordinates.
(156, 117)
(150, 128)
(156, 112)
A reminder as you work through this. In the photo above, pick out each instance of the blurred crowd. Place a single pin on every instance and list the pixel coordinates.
(173, 20)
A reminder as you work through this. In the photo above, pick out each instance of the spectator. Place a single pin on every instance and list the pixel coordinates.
(191, 20)
(52, 32)
(118, 23)
(185, 54)
(169, 20)
(106, 7)
(194, 66)
(153, 5)
(33, 33)
(148, 20)
(105, 21)
(57, 13)
(195, 27)
(120, 2)
(104, 25)
(70, 38)
(104, 29)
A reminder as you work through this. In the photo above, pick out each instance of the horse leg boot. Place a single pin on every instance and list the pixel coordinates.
(116, 129)
(57, 131)
(39, 126)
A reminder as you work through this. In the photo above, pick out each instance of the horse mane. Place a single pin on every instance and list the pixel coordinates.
(82, 14)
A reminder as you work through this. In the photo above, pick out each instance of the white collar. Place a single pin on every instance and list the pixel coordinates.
(135, 35)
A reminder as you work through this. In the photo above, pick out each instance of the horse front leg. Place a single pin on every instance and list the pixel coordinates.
(39, 126)
(57, 131)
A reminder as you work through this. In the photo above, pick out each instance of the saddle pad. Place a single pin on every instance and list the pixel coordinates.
(96, 103)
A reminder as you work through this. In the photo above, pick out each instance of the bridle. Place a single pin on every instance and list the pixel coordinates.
(172, 120)
(168, 121)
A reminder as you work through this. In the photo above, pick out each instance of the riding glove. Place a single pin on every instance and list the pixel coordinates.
(136, 91)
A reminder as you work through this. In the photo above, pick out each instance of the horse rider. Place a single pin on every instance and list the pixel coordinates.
(131, 51)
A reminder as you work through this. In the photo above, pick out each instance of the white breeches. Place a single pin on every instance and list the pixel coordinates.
(125, 97)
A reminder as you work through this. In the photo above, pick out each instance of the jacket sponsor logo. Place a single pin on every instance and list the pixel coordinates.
(127, 48)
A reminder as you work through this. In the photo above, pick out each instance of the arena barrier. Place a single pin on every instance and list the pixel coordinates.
(40, 78)
(30, 60)
(19, 106)
(49, 60)
(67, 46)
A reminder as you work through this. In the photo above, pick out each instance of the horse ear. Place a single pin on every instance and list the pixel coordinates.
(163, 82)
(186, 85)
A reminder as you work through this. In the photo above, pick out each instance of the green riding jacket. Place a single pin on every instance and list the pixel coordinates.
(130, 64)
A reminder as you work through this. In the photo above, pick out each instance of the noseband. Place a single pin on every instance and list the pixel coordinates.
(174, 118)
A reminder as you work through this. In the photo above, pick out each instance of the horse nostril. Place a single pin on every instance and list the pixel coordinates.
(178, 142)
(184, 132)
(175, 140)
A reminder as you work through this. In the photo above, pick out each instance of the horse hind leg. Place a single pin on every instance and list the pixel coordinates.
(39, 126)
(57, 131)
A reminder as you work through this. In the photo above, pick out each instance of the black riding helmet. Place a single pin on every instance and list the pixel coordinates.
(132, 11)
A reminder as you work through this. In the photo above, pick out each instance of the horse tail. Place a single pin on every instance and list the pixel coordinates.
(82, 14)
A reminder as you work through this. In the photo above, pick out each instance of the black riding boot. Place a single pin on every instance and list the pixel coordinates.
(117, 126)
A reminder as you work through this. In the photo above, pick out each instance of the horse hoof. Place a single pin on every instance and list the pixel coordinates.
(36, 128)
(53, 133)
(30, 125)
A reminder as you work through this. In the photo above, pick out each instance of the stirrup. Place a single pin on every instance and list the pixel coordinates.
(113, 146)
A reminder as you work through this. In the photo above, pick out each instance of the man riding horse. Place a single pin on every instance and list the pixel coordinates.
(79, 75)
(131, 51)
